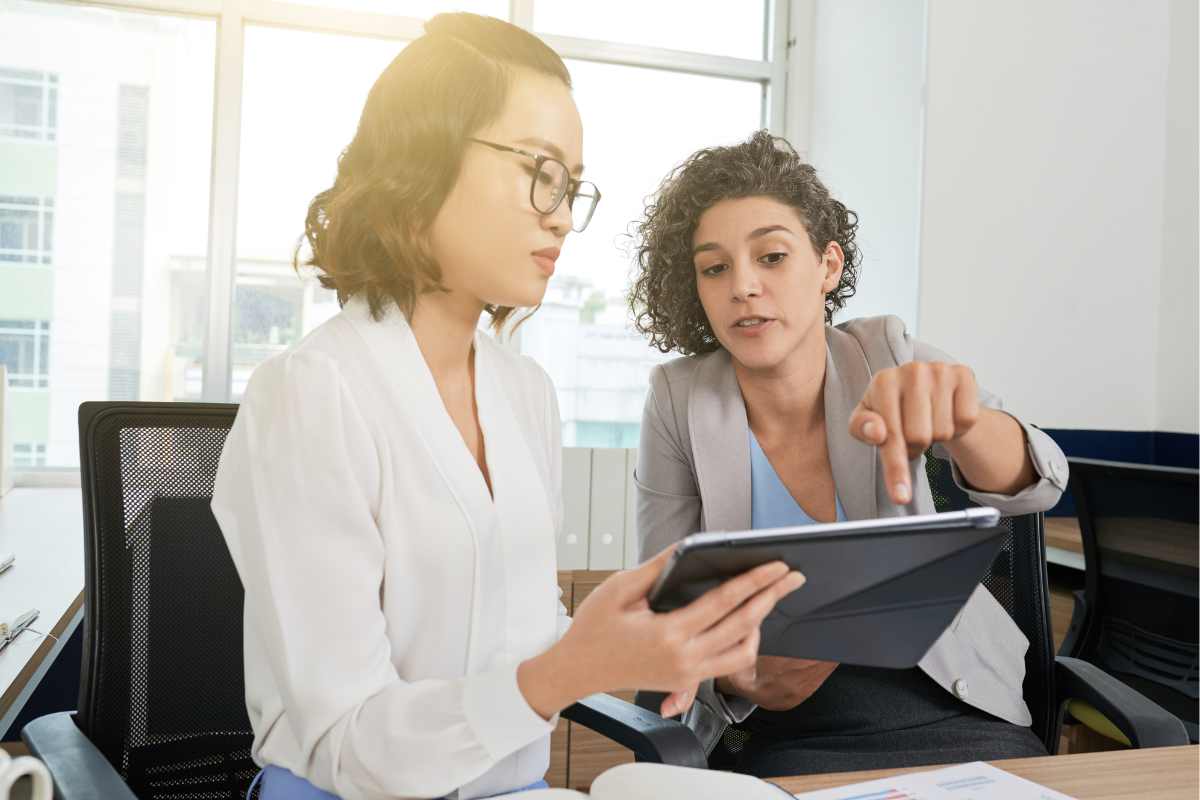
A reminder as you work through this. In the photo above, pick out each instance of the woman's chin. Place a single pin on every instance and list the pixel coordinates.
(520, 297)
(756, 356)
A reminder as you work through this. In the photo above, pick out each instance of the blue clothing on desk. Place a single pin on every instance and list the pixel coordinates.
(280, 784)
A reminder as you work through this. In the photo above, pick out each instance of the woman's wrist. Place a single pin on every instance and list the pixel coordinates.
(993, 456)
(549, 682)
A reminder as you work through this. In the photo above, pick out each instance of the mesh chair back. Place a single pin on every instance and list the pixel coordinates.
(162, 692)
(1017, 579)
(1141, 551)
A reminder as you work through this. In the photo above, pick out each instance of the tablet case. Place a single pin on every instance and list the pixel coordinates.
(878, 599)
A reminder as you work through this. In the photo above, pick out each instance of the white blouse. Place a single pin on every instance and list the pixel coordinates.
(389, 598)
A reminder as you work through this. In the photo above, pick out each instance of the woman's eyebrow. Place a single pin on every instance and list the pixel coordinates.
(551, 148)
(754, 234)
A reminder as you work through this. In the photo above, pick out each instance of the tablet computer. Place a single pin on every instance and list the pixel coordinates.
(878, 593)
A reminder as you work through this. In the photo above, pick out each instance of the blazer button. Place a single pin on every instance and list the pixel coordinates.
(960, 689)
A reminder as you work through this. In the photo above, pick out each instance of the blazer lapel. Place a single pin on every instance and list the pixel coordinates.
(854, 463)
(722, 452)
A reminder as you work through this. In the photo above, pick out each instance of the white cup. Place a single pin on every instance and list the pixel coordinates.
(13, 769)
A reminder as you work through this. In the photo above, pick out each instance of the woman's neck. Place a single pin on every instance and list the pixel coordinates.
(789, 398)
(444, 326)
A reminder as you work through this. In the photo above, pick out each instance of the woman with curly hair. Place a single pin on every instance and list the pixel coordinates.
(776, 417)
(390, 490)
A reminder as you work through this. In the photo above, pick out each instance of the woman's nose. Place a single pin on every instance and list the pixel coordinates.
(558, 221)
(745, 283)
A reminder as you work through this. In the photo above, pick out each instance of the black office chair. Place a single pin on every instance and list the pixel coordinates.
(1136, 616)
(162, 700)
(1017, 579)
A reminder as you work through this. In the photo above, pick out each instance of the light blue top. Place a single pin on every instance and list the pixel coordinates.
(771, 504)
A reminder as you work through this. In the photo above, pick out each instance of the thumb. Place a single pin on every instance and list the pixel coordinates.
(636, 583)
(678, 702)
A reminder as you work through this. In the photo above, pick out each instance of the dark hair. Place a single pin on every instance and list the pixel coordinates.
(368, 231)
(664, 300)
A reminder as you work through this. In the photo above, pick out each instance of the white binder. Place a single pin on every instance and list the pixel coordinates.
(577, 491)
(607, 545)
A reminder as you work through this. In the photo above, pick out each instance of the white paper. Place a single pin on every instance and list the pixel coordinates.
(974, 781)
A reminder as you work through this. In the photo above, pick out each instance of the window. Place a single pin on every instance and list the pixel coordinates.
(28, 104)
(26, 229)
(28, 454)
(25, 350)
(422, 9)
(282, 167)
(125, 153)
(727, 29)
(125, 101)
(582, 335)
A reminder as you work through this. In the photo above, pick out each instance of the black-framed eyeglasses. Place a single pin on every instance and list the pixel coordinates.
(551, 183)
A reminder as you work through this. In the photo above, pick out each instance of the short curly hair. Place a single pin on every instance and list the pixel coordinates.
(664, 300)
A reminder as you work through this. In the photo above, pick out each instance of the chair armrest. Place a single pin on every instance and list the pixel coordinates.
(79, 770)
(1143, 721)
(648, 735)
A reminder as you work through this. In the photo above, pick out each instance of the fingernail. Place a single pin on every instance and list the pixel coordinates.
(902, 493)
(799, 579)
(869, 430)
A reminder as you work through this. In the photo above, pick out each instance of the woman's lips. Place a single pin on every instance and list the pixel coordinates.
(753, 330)
(545, 259)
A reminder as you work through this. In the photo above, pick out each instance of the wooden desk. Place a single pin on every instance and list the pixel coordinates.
(1163, 773)
(43, 528)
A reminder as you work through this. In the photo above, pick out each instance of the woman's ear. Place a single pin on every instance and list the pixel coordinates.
(831, 261)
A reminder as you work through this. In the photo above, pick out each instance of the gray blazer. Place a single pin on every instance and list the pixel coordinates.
(693, 474)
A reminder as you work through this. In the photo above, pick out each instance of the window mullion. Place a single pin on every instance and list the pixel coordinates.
(223, 196)
(520, 13)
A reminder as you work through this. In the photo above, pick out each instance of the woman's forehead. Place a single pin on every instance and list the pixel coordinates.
(540, 113)
(742, 216)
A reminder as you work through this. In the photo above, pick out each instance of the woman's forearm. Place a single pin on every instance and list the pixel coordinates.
(993, 456)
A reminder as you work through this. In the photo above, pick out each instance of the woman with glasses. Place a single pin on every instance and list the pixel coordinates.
(390, 491)
(776, 417)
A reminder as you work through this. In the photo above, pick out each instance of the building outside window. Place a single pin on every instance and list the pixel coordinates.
(28, 104)
(25, 351)
(26, 229)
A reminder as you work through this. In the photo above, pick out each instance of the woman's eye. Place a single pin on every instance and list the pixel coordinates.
(713, 271)
(773, 258)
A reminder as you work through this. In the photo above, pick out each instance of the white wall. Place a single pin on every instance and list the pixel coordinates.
(864, 138)
(1178, 327)
(1043, 234)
